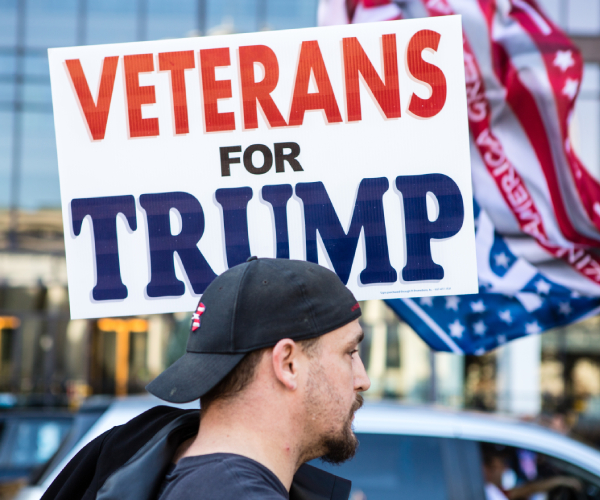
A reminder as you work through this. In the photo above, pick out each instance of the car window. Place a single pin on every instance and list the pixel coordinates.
(395, 467)
(34, 441)
(82, 423)
(511, 472)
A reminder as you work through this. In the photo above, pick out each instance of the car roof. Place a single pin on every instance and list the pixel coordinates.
(391, 418)
(397, 418)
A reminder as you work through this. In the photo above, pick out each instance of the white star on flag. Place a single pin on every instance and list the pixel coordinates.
(426, 301)
(452, 302)
(505, 316)
(456, 329)
(478, 307)
(501, 259)
(542, 286)
(532, 328)
(480, 351)
(501, 339)
(564, 60)
(570, 88)
(565, 308)
(479, 328)
(575, 295)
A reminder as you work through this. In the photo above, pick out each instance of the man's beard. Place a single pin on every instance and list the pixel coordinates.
(342, 447)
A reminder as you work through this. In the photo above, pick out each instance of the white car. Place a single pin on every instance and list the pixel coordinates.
(417, 453)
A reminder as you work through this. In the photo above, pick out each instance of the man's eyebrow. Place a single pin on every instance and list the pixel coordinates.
(358, 339)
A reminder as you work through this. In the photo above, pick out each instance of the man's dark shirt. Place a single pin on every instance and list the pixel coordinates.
(130, 461)
(222, 476)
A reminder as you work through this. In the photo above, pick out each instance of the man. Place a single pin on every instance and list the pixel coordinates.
(273, 357)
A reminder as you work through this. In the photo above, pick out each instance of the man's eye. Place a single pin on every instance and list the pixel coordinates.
(353, 352)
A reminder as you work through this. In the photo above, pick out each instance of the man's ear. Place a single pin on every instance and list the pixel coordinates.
(285, 363)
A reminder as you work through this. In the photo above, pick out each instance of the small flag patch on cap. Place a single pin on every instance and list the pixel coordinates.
(196, 316)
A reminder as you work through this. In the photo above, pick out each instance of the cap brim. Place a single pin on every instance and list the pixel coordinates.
(192, 376)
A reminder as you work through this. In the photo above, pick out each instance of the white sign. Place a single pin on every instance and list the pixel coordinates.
(347, 146)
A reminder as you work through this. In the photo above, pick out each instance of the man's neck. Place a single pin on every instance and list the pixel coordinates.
(242, 430)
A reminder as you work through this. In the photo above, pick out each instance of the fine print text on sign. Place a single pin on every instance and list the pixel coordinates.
(347, 146)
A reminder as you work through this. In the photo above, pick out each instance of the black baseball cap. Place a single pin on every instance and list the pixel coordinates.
(251, 306)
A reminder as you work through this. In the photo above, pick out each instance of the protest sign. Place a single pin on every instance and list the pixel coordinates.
(347, 146)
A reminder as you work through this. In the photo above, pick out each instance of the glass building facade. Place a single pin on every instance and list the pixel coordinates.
(28, 165)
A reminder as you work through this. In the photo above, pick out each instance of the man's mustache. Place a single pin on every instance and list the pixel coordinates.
(358, 403)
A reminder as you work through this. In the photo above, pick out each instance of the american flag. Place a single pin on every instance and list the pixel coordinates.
(196, 316)
(537, 207)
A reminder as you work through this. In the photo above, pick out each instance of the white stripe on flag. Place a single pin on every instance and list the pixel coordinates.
(332, 13)
(538, 20)
(433, 325)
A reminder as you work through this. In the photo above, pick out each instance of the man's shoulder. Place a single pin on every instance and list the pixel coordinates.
(132, 435)
(87, 472)
(156, 418)
(223, 476)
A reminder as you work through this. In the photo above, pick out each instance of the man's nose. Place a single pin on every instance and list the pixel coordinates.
(361, 379)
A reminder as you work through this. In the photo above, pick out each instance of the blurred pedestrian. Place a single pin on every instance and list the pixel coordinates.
(494, 467)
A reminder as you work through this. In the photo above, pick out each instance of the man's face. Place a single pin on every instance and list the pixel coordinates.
(335, 378)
